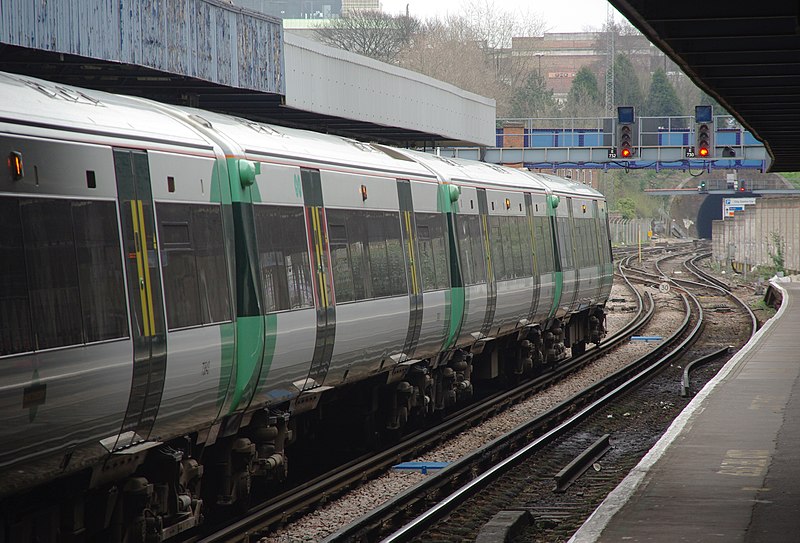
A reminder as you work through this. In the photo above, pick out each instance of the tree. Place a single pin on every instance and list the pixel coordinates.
(471, 50)
(708, 100)
(533, 99)
(662, 101)
(370, 33)
(583, 99)
(627, 208)
(450, 53)
(627, 89)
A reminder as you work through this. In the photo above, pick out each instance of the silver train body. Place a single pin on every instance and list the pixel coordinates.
(182, 288)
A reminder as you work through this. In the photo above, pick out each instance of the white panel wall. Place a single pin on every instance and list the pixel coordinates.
(335, 82)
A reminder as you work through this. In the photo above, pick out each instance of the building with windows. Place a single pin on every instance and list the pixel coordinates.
(360, 5)
(294, 9)
(559, 55)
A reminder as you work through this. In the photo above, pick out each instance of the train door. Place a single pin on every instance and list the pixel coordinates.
(142, 270)
(317, 226)
(408, 228)
(536, 290)
(572, 278)
(491, 283)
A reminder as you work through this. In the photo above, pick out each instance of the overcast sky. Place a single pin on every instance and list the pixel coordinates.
(558, 15)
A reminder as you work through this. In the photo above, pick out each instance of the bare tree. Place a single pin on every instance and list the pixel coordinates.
(447, 51)
(471, 50)
(370, 33)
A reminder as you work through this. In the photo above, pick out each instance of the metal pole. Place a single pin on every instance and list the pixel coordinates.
(639, 236)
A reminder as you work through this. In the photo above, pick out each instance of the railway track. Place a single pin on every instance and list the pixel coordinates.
(312, 495)
(554, 440)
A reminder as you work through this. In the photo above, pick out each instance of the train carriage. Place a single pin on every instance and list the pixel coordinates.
(584, 253)
(183, 289)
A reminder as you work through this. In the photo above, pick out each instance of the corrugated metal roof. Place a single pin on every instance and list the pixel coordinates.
(215, 56)
(204, 39)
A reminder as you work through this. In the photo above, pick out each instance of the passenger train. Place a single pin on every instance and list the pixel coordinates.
(186, 296)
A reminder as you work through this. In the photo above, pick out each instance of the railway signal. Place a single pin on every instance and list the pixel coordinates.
(626, 120)
(703, 131)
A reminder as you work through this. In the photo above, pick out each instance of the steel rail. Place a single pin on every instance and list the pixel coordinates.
(368, 528)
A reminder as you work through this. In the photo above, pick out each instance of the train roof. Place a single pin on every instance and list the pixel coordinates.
(471, 171)
(244, 136)
(41, 104)
(562, 185)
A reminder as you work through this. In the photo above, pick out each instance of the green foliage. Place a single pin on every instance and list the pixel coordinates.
(617, 185)
(662, 99)
(776, 251)
(768, 310)
(792, 177)
(584, 98)
(533, 99)
(706, 100)
(627, 207)
(627, 88)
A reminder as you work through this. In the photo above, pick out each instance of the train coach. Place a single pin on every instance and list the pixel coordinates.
(186, 297)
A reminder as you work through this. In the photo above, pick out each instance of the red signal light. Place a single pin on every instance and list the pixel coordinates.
(703, 152)
(626, 152)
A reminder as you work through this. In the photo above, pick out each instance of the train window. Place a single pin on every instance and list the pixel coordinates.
(577, 229)
(378, 258)
(525, 245)
(283, 257)
(516, 245)
(544, 244)
(52, 272)
(367, 252)
(212, 272)
(342, 262)
(565, 242)
(432, 251)
(496, 246)
(386, 260)
(471, 248)
(357, 241)
(193, 264)
(62, 267)
(16, 334)
(100, 273)
(91, 179)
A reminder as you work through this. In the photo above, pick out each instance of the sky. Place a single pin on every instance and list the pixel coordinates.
(558, 15)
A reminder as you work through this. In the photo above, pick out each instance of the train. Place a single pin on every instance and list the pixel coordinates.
(187, 296)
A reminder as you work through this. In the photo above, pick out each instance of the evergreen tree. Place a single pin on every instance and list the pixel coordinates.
(627, 89)
(583, 99)
(662, 101)
(533, 99)
(707, 100)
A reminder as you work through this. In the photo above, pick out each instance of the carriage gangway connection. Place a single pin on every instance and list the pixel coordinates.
(726, 470)
(659, 143)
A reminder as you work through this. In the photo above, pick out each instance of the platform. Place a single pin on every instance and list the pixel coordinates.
(728, 468)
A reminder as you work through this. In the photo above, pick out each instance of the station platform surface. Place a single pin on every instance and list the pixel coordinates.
(728, 468)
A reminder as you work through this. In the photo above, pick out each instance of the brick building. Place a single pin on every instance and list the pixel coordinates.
(558, 56)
